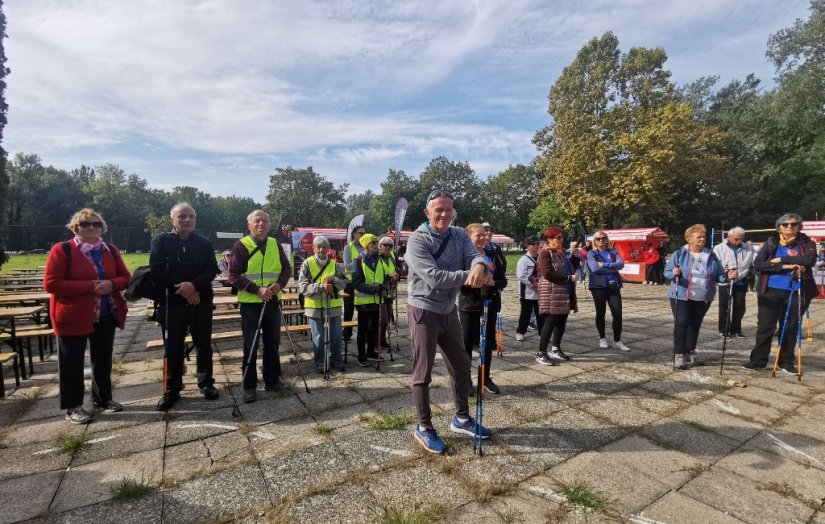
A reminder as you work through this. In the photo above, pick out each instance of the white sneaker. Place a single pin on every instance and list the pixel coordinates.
(620, 346)
(644, 283)
(603, 343)
(519, 337)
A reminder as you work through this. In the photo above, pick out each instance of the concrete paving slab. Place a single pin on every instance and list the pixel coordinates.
(802, 449)
(676, 508)
(421, 486)
(93, 483)
(623, 411)
(188, 424)
(28, 497)
(583, 430)
(747, 410)
(19, 461)
(41, 430)
(276, 439)
(670, 467)
(654, 402)
(535, 444)
(121, 442)
(765, 397)
(270, 407)
(518, 507)
(745, 499)
(346, 503)
(694, 441)
(139, 511)
(306, 469)
(721, 418)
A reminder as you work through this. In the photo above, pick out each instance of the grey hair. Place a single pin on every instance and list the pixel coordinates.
(180, 205)
(256, 212)
(736, 231)
(785, 217)
(320, 239)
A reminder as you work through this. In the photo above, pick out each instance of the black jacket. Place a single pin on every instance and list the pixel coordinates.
(806, 257)
(469, 298)
(173, 260)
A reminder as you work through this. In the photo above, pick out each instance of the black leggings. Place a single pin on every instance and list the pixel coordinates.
(471, 334)
(608, 296)
(528, 307)
(553, 328)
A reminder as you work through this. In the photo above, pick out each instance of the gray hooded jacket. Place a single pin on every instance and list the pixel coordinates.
(433, 285)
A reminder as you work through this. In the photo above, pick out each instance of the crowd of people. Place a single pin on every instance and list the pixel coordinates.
(456, 277)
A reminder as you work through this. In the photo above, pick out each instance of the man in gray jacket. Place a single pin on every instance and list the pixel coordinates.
(734, 253)
(441, 259)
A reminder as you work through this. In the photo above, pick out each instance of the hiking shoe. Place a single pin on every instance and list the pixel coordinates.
(167, 401)
(602, 343)
(620, 346)
(278, 385)
(558, 354)
(789, 369)
(110, 406)
(429, 440)
(363, 363)
(679, 362)
(740, 335)
(692, 359)
(543, 358)
(752, 366)
(210, 393)
(250, 395)
(491, 387)
(519, 337)
(468, 427)
(78, 415)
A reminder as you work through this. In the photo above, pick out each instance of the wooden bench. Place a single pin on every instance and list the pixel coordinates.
(4, 358)
(25, 334)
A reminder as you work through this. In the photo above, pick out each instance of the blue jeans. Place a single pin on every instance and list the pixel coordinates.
(319, 340)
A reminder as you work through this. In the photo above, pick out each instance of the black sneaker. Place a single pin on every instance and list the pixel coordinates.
(789, 369)
(543, 358)
(210, 393)
(752, 366)
(167, 401)
(110, 406)
(558, 354)
(740, 335)
(278, 385)
(363, 363)
(250, 395)
(491, 387)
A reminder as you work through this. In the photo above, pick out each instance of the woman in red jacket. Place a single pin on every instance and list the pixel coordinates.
(85, 276)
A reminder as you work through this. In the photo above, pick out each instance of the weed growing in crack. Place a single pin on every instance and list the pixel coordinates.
(130, 489)
(386, 421)
(322, 429)
(73, 443)
(510, 515)
(416, 516)
(578, 494)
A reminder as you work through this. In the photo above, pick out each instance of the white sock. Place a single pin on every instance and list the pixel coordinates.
(462, 420)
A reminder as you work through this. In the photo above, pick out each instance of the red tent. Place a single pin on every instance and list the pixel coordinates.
(816, 231)
(631, 244)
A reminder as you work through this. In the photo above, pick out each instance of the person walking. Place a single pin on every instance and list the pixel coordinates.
(604, 264)
(85, 276)
(441, 259)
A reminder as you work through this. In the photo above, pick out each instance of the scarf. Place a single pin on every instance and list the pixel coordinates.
(782, 242)
(86, 247)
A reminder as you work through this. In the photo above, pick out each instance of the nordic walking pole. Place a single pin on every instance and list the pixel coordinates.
(782, 333)
(250, 358)
(482, 350)
(499, 336)
(395, 289)
(294, 351)
(166, 342)
(325, 319)
(378, 332)
(810, 325)
(727, 325)
(387, 311)
(799, 328)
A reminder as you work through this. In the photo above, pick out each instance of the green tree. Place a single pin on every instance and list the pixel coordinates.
(510, 197)
(548, 213)
(156, 224)
(4, 178)
(309, 197)
(382, 208)
(230, 212)
(457, 178)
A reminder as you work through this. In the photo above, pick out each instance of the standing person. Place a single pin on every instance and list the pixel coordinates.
(660, 266)
(491, 249)
(85, 276)
(440, 259)
(651, 260)
(783, 258)
(183, 264)
(694, 271)
(390, 267)
(370, 285)
(260, 269)
(557, 295)
(352, 250)
(577, 252)
(528, 287)
(734, 253)
(320, 280)
(604, 264)
(471, 307)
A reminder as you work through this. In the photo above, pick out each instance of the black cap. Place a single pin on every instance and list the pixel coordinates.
(532, 239)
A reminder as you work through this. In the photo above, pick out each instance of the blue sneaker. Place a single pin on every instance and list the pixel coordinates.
(468, 427)
(430, 440)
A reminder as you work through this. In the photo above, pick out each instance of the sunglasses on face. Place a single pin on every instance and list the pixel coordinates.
(96, 223)
(789, 224)
(439, 194)
(599, 239)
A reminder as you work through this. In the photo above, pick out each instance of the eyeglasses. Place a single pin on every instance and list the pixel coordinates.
(599, 239)
(96, 223)
(439, 194)
(783, 224)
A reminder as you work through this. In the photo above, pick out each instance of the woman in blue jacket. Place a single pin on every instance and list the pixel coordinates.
(693, 271)
(604, 264)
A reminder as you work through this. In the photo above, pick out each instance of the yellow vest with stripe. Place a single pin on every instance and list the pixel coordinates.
(353, 254)
(262, 269)
(329, 270)
(370, 277)
(389, 269)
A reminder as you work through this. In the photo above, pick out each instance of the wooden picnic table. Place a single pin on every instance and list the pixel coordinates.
(23, 298)
(20, 279)
(228, 300)
(10, 314)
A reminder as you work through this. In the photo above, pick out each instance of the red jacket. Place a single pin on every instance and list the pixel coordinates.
(651, 256)
(72, 307)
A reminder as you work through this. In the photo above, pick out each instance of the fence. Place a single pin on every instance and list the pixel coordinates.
(39, 239)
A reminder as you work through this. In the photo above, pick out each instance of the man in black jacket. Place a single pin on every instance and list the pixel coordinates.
(183, 264)
(782, 259)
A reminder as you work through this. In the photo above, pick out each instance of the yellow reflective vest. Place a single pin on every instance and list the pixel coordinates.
(314, 269)
(262, 269)
(370, 277)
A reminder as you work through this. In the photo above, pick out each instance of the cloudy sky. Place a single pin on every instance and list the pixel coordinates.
(218, 93)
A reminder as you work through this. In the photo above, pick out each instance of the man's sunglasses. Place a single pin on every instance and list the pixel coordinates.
(783, 224)
(439, 194)
(96, 223)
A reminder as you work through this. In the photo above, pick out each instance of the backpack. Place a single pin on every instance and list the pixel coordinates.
(141, 285)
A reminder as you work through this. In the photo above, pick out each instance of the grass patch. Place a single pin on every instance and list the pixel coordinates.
(130, 489)
(580, 495)
(73, 443)
(386, 421)
(416, 516)
(322, 429)
(118, 368)
(510, 515)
